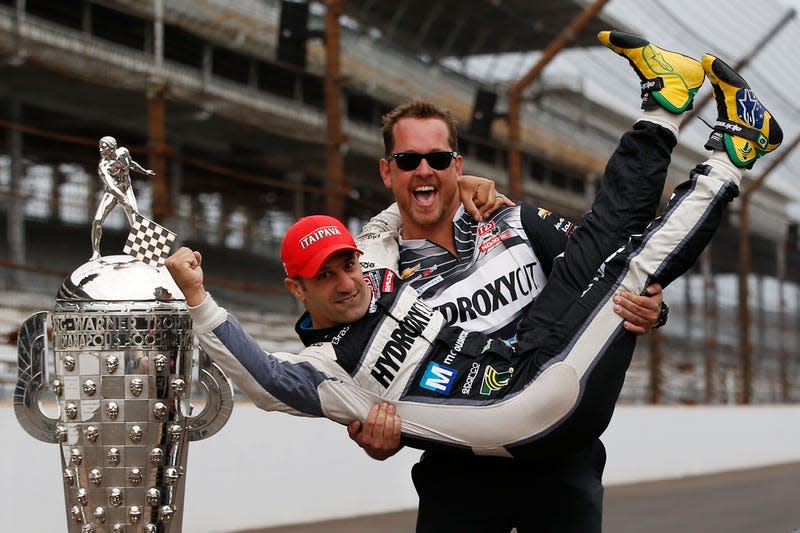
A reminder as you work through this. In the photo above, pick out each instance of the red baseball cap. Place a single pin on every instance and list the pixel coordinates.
(311, 241)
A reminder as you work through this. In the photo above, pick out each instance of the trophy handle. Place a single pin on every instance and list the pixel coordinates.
(32, 348)
(219, 402)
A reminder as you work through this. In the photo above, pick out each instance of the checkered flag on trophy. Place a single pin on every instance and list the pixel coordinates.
(148, 242)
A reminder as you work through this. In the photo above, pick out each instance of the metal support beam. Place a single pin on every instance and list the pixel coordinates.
(745, 346)
(158, 34)
(566, 36)
(333, 110)
(689, 349)
(745, 343)
(397, 16)
(157, 157)
(19, 22)
(450, 40)
(16, 208)
(175, 185)
(656, 358)
(86, 18)
(783, 351)
(710, 321)
(208, 64)
(433, 14)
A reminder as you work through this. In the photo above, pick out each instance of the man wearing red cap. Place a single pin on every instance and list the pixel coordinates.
(323, 272)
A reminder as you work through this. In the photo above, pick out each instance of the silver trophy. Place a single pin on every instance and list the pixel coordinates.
(122, 360)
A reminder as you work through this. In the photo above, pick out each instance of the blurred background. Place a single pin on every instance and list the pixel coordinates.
(255, 112)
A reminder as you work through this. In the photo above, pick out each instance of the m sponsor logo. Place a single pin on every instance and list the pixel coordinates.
(488, 299)
(494, 380)
(439, 378)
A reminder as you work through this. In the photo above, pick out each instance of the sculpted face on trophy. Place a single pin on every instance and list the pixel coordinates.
(118, 355)
(112, 410)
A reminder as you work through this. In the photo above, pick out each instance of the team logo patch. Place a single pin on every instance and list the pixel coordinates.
(372, 280)
(543, 213)
(494, 380)
(487, 228)
(438, 378)
(430, 283)
(428, 271)
(410, 271)
(656, 61)
(494, 241)
(148, 242)
(564, 226)
(388, 281)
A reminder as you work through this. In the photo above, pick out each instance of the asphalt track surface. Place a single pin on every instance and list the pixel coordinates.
(764, 500)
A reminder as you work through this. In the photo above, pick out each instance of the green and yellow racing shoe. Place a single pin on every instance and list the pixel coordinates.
(744, 128)
(669, 79)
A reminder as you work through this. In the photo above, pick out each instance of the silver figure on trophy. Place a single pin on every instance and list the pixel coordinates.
(121, 341)
(114, 171)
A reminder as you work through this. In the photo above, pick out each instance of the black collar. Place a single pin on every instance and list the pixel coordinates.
(309, 335)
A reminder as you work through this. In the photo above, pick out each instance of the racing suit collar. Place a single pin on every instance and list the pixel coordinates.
(309, 335)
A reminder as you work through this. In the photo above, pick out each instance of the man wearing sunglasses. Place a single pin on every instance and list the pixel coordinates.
(480, 284)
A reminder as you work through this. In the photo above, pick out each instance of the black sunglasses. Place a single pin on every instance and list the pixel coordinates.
(411, 160)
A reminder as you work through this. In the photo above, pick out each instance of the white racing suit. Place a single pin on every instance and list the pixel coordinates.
(554, 389)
